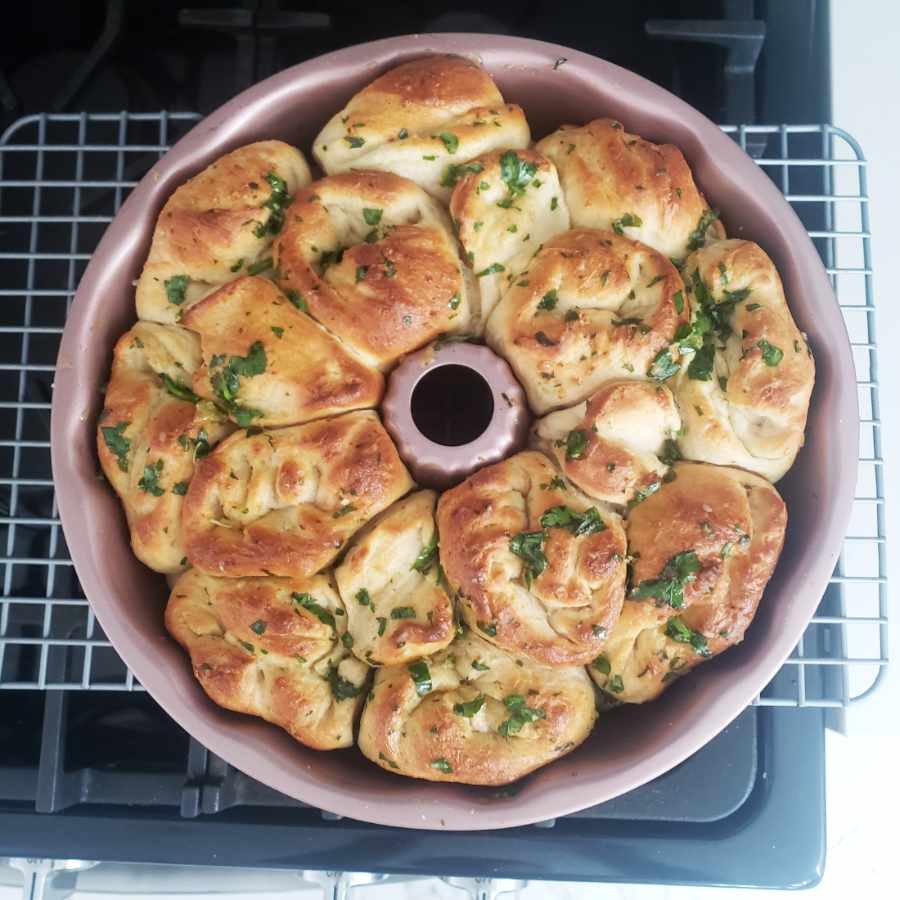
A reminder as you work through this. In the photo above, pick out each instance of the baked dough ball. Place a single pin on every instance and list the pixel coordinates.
(272, 647)
(424, 120)
(392, 586)
(284, 502)
(474, 714)
(538, 570)
(618, 180)
(704, 548)
(617, 445)
(267, 363)
(508, 204)
(218, 225)
(149, 433)
(373, 258)
(591, 306)
(744, 394)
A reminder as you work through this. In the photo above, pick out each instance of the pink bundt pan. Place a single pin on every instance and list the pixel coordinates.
(630, 746)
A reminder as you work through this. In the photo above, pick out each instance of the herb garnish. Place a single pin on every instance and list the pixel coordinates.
(442, 765)
(520, 715)
(588, 522)
(421, 676)
(663, 366)
(601, 664)
(628, 220)
(149, 481)
(363, 598)
(354, 141)
(529, 546)
(680, 570)
(278, 200)
(372, 215)
(549, 300)
(516, 174)
(698, 235)
(771, 355)
(492, 269)
(470, 708)
(643, 493)
(341, 688)
(678, 631)
(575, 443)
(450, 141)
(117, 443)
(427, 556)
(307, 601)
(259, 627)
(178, 390)
(403, 612)
(181, 488)
(175, 288)
(226, 383)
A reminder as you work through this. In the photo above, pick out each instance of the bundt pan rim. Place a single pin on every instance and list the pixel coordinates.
(627, 748)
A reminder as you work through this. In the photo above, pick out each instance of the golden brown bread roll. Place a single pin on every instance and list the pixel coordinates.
(704, 548)
(538, 571)
(617, 445)
(392, 586)
(272, 647)
(424, 120)
(218, 226)
(744, 394)
(267, 363)
(373, 258)
(618, 180)
(284, 502)
(474, 714)
(150, 431)
(508, 204)
(591, 306)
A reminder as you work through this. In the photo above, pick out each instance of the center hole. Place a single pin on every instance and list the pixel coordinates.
(452, 405)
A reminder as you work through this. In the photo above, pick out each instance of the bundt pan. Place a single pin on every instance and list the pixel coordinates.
(629, 746)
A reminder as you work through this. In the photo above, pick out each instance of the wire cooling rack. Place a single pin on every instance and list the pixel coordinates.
(62, 179)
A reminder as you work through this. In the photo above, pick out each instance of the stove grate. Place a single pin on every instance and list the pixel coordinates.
(62, 179)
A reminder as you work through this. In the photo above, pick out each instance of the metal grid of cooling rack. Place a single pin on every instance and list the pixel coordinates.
(62, 179)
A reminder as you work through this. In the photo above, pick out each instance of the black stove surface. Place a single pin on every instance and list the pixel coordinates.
(102, 775)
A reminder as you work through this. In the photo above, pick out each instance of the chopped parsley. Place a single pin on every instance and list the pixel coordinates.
(354, 141)
(298, 300)
(663, 366)
(149, 482)
(382, 624)
(450, 141)
(771, 355)
(341, 688)
(489, 628)
(117, 443)
(601, 664)
(175, 288)
(342, 511)
(670, 452)
(454, 302)
(278, 201)
(588, 522)
(543, 340)
(363, 598)
(403, 134)
(260, 266)
(347, 640)
(628, 220)
(427, 556)
(554, 202)
(678, 631)
(403, 612)
(442, 765)
(516, 174)
(479, 666)
(528, 546)
(698, 235)
(492, 269)
(470, 708)
(520, 715)
(181, 488)
(372, 215)
(237, 266)
(615, 684)
(554, 482)
(226, 382)
(549, 300)
(308, 602)
(361, 272)
(259, 627)
(643, 493)
(678, 300)
(421, 676)
(277, 331)
(752, 307)
(668, 589)
(576, 443)
(178, 390)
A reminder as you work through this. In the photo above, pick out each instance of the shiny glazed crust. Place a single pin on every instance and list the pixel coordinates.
(215, 226)
(285, 502)
(418, 120)
(609, 174)
(302, 371)
(409, 730)
(390, 583)
(613, 308)
(256, 649)
(734, 522)
(373, 258)
(562, 615)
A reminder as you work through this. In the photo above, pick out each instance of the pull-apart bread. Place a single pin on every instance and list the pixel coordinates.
(631, 541)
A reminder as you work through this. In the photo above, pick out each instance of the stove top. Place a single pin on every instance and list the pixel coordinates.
(90, 767)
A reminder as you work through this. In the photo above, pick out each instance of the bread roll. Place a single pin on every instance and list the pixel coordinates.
(474, 714)
(617, 445)
(590, 307)
(373, 258)
(284, 502)
(150, 431)
(613, 179)
(538, 571)
(745, 394)
(268, 363)
(704, 548)
(392, 586)
(272, 647)
(508, 204)
(217, 226)
(422, 120)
